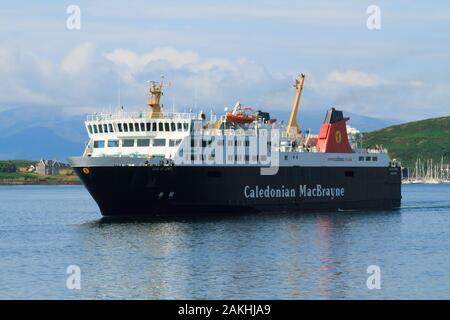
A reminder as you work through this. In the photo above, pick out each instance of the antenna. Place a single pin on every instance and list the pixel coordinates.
(118, 93)
(195, 98)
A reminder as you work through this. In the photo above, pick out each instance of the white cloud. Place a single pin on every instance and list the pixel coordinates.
(177, 59)
(196, 80)
(78, 59)
(207, 82)
(7, 60)
(355, 78)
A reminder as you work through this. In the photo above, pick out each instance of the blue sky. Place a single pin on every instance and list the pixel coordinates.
(215, 53)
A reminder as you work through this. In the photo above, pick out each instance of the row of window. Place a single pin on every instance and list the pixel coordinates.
(246, 158)
(135, 143)
(230, 142)
(286, 157)
(360, 158)
(368, 158)
(139, 127)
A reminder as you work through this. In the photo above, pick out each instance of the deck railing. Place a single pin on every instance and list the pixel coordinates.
(139, 115)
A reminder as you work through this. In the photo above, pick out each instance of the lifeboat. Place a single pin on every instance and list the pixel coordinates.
(239, 118)
(239, 115)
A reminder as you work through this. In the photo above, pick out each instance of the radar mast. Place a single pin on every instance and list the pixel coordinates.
(155, 90)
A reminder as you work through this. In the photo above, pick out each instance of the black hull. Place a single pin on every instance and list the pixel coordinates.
(190, 191)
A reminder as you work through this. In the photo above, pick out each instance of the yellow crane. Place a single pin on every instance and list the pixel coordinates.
(154, 107)
(292, 127)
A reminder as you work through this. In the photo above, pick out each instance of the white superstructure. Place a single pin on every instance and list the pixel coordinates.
(190, 139)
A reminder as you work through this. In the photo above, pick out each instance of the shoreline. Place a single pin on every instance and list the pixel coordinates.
(18, 182)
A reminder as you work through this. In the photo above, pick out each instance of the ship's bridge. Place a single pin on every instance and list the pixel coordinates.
(136, 133)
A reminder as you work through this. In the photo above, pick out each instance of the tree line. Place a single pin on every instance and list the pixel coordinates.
(7, 166)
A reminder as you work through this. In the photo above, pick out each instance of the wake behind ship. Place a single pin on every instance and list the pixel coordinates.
(158, 163)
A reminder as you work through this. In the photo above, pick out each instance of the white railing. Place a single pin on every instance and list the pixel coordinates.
(139, 115)
(234, 132)
(377, 151)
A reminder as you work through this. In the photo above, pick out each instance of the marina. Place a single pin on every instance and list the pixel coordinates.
(425, 171)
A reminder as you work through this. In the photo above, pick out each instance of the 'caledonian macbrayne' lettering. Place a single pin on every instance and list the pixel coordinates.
(284, 192)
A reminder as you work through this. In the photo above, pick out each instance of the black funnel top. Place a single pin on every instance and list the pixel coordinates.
(333, 116)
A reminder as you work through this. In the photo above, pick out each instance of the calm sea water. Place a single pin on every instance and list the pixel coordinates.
(45, 229)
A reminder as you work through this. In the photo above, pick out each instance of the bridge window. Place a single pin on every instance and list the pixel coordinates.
(143, 142)
(142, 127)
(172, 126)
(136, 127)
(105, 128)
(368, 158)
(166, 127)
(119, 125)
(159, 142)
(174, 143)
(374, 158)
(130, 126)
(99, 144)
(160, 127)
(113, 143)
(90, 129)
(100, 128)
(128, 143)
(186, 126)
(179, 127)
(154, 126)
(125, 127)
(95, 128)
(148, 126)
(361, 158)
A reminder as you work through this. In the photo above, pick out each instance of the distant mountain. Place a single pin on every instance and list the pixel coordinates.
(425, 139)
(40, 134)
(313, 120)
(38, 143)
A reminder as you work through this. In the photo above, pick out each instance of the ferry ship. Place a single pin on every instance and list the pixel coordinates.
(157, 163)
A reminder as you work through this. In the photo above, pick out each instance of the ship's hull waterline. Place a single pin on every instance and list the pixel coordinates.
(200, 190)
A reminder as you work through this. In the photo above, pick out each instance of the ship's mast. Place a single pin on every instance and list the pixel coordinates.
(154, 107)
(292, 127)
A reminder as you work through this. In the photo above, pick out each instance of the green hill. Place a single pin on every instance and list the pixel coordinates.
(425, 139)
